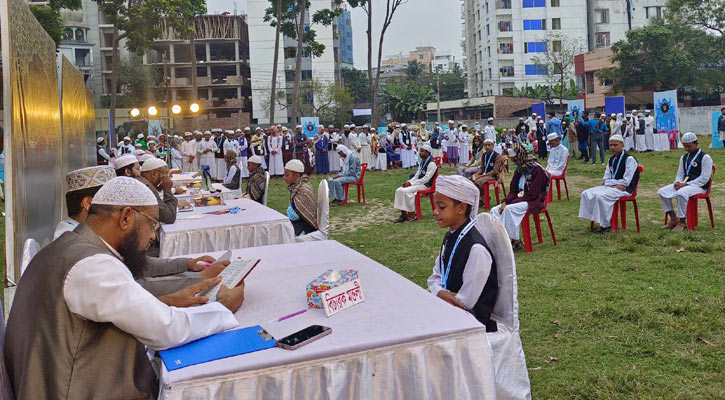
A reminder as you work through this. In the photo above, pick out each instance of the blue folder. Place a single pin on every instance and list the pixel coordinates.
(215, 347)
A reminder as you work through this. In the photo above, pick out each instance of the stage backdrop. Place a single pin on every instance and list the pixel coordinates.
(716, 139)
(614, 105)
(667, 114)
(575, 108)
(309, 125)
(36, 158)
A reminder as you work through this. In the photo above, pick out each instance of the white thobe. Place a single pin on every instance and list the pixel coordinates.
(558, 156)
(64, 226)
(683, 195)
(463, 157)
(511, 217)
(406, 155)
(242, 159)
(629, 136)
(176, 159)
(405, 197)
(208, 157)
(188, 149)
(332, 155)
(365, 155)
(531, 122)
(354, 143)
(100, 288)
(381, 159)
(597, 203)
(276, 163)
(124, 149)
(489, 132)
(649, 125)
(475, 276)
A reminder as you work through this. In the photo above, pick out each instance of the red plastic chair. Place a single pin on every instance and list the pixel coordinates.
(620, 207)
(427, 192)
(558, 179)
(526, 227)
(497, 185)
(359, 183)
(692, 214)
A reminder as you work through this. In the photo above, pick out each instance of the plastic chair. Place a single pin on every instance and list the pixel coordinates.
(266, 188)
(526, 228)
(427, 192)
(359, 183)
(323, 216)
(620, 207)
(558, 179)
(498, 185)
(692, 214)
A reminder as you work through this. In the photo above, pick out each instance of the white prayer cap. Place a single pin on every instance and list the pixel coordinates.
(346, 126)
(522, 118)
(86, 178)
(689, 137)
(567, 113)
(140, 136)
(464, 126)
(640, 115)
(617, 138)
(489, 140)
(187, 133)
(295, 166)
(459, 188)
(490, 118)
(152, 164)
(427, 148)
(126, 138)
(138, 152)
(284, 129)
(237, 130)
(246, 128)
(99, 139)
(330, 126)
(145, 157)
(403, 124)
(451, 122)
(646, 111)
(151, 137)
(207, 132)
(533, 114)
(343, 149)
(255, 159)
(551, 137)
(257, 129)
(215, 130)
(125, 191)
(298, 127)
(612, 115)
(124, 161)
(229, 132)
(421, 122)
(197, 132)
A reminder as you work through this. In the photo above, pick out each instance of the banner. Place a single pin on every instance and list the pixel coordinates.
(575, 108)
(155, 128)
(540, 110)
(309, 125)
(614, 105)
(667, 115)
(716, 139)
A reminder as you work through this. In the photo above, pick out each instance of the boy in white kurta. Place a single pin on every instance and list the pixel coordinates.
(364, 139)
(693, 177)
(276, 165)
(558, 156)
(423, 179)
(206, 150)
(188, 151)
(620, 179)
(464, 138)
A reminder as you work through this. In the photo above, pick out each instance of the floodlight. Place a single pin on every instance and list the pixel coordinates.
(152, 111)
(176, 109)
(135, 112)
(194, 107)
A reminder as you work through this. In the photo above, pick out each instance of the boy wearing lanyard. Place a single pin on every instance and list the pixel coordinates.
(693, 177)
(620, 179)
(464, 274)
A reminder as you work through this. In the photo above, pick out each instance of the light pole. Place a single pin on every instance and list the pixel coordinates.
(438, 92)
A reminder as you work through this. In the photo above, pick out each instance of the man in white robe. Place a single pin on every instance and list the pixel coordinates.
(464, 137)
(558, 156)
(531, 122)
(489, 132)
(332, 155)
(620, 179)
(649, 126)
(188, 151)
(406, 146)
(125, 147)
(693, 177)
(423, 179)
(207, 148)
(276, 165)
(364, 139)
(243, 146)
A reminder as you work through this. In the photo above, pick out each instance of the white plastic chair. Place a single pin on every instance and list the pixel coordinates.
(323, 216)
(30, 249)
(266, 188)
(512, 377)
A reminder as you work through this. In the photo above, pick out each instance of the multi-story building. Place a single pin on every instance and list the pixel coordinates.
(324, 69)
(423, 55)
(504, 37)
(221, 49)
(443, 62)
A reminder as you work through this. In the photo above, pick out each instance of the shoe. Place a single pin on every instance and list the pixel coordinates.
(401, 218)
(679, 228)
(412, 218)
(668, 226)
(602, 163)
(602, 231)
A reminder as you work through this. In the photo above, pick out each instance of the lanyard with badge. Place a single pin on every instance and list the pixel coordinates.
(619, 164)
(444, 278)
(486, 160)
(687, 173)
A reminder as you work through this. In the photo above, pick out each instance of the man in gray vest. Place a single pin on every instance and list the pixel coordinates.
(79, 321)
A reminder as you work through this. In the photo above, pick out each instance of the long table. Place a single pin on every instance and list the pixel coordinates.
(401, 343)
(199, 232)
(224, 193)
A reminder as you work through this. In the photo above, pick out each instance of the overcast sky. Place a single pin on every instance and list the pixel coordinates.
(417, 23)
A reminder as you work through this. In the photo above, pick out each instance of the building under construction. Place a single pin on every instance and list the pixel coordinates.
(217, 64)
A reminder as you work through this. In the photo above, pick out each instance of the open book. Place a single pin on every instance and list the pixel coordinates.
(232, 275)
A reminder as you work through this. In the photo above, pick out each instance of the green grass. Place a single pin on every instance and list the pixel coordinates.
(622, 315)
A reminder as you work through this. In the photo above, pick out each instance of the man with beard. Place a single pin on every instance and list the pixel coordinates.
(302, 209)
(155, 175)
(85, 337)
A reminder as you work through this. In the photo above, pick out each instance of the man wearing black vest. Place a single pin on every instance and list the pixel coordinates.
(421, 180)
(693, 177)
(620, 179)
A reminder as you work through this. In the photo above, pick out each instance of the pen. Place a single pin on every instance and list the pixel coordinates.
(292, 315)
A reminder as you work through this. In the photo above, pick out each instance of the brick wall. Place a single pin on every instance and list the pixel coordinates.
(505, 107)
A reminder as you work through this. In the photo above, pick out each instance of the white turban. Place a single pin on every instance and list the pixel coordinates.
(125, 191)
(343, 149)
(152, 164)
(689, 137)
(295, 166)
(459, 188)
(616, 138)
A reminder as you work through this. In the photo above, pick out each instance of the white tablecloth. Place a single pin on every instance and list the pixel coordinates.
(224, 193)
(255, 225)
(185, 177)
(401, 343)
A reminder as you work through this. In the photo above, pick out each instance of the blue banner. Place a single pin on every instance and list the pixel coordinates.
(667, 114)
(309, 125)
(575, 108)
(614, 105)
(539, 109)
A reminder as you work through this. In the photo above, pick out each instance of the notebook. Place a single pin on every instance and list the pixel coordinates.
(215, 347)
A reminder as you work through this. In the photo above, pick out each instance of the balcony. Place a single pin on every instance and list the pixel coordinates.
(507, 72)
(505, 48)
(503, 4)
(505, 26)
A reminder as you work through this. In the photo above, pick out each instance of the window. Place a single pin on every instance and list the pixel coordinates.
(556, 46)
(504, 26)
(488, 50)
(489, 74)
(479, 35)
(602, 39)
(601, 16)
(555, 3)
(533, 69)
(608, 82)
(653, 12)
(478, 14)
(420, 56)
(507, 71)
(503, 4)
(306, 74)
(534, 24)
(535, 47)
(505, 48)
(534, 3)
(589, 82)
(486, 7)
(488, 31)
(556, 23)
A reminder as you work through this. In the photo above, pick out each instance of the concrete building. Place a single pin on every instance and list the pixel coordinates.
(443, 62)
(480, 108)
(221, 48)
(503, 37)
(423, 55)
(343, 40)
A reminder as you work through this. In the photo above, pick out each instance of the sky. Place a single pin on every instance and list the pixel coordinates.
(434, 23)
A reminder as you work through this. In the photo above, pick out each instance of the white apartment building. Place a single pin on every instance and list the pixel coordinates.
(502, 37)
(443, 62)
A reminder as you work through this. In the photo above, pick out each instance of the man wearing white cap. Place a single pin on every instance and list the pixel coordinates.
(243, 145)
(620, 178)
(649, 133)
(364, 139)
(693, 177)
(155, 175)
(127, 165)
(302, 209)
(451, 137)
(257, 182)
(102, 157)
(351, 171)
(423, 133)
(489, 132)
(423, 179)
(188, 151)
(406, 147)
(125, 147)
(140, 141)
(354, 140)
(464, 137)
(464, 274)
(206, 150)
(332, 156)
(274, 140)
(221, 165)
(558, 156)
(91, 305)
(489, 167)
(82, 186)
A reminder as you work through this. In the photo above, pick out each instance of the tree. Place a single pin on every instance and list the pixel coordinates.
(414, 70)
(50, 18)
(391, 6)
(357, 83)
(137, 84)
(665, 56)
(406, 99)
(558, 61)
(329, 101)
(708, 14)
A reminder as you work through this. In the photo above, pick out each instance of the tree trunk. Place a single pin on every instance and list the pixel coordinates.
(298, 62)
(373, 107)
(273, 90)
(194, 91)
(114, 82)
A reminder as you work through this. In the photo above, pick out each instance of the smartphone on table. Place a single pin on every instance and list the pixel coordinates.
(303, 337)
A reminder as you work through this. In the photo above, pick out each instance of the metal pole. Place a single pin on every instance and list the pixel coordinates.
(438, 94)
(168, 102)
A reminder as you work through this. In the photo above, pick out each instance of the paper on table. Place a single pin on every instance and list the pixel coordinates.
(189, 216)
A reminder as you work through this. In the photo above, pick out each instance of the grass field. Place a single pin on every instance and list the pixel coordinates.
(623, 315)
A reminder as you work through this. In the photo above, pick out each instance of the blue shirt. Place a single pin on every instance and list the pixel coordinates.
(554, 126)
